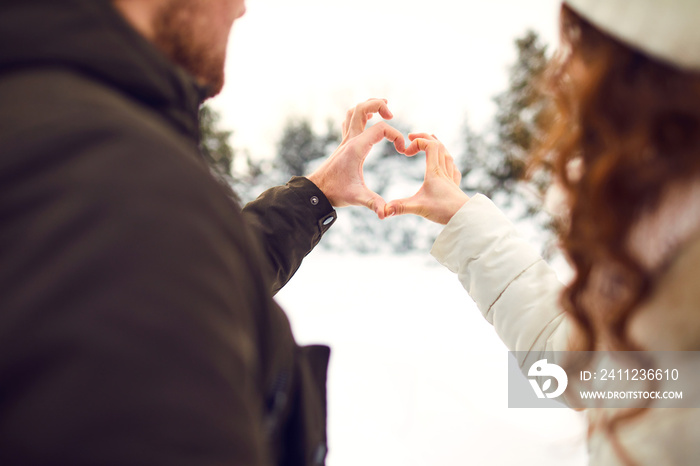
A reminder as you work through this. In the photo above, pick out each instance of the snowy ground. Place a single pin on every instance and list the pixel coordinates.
(417, 376)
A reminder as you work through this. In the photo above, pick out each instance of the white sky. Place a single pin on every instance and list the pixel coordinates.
(437, 62)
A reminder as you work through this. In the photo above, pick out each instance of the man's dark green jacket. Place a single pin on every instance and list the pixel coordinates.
(137, 325)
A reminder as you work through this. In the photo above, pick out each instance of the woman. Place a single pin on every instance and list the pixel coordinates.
(625, 147)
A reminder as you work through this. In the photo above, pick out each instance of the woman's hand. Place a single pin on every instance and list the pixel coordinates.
(439, 198)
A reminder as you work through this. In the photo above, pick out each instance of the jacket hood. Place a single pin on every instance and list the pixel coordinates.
(91, 37)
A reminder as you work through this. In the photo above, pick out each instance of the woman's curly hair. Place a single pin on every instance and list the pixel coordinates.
(624, 127)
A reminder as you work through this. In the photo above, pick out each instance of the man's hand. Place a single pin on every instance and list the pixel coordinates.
(340, 177)
(439, 198)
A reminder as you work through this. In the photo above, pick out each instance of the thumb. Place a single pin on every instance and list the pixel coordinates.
(376, 203)
(409, 205)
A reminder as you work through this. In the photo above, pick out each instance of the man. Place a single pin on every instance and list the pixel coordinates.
(137, 324)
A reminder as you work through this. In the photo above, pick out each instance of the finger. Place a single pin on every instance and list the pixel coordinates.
(413, 136)
(359, 118)
(432, 155)
(442, 157)
(384, 111)
(432, 152)
(410, 205)
(379, 132)
(455, 173)
(346, 123)
(375, 202)
(450, 163)
(414, 148)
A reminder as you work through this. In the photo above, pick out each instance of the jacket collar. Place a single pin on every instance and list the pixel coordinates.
(91, 37)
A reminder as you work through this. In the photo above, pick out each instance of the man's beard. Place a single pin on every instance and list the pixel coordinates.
(180, 34)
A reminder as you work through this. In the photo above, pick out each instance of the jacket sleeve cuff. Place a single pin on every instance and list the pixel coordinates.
(319, 208)
(289, 222)
(482, 247)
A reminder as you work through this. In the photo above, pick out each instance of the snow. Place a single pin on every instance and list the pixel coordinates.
(417, 376)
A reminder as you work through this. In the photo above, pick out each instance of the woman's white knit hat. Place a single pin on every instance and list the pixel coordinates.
(665, 29)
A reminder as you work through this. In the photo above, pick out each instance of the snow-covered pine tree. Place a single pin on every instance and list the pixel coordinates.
(495, 163)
